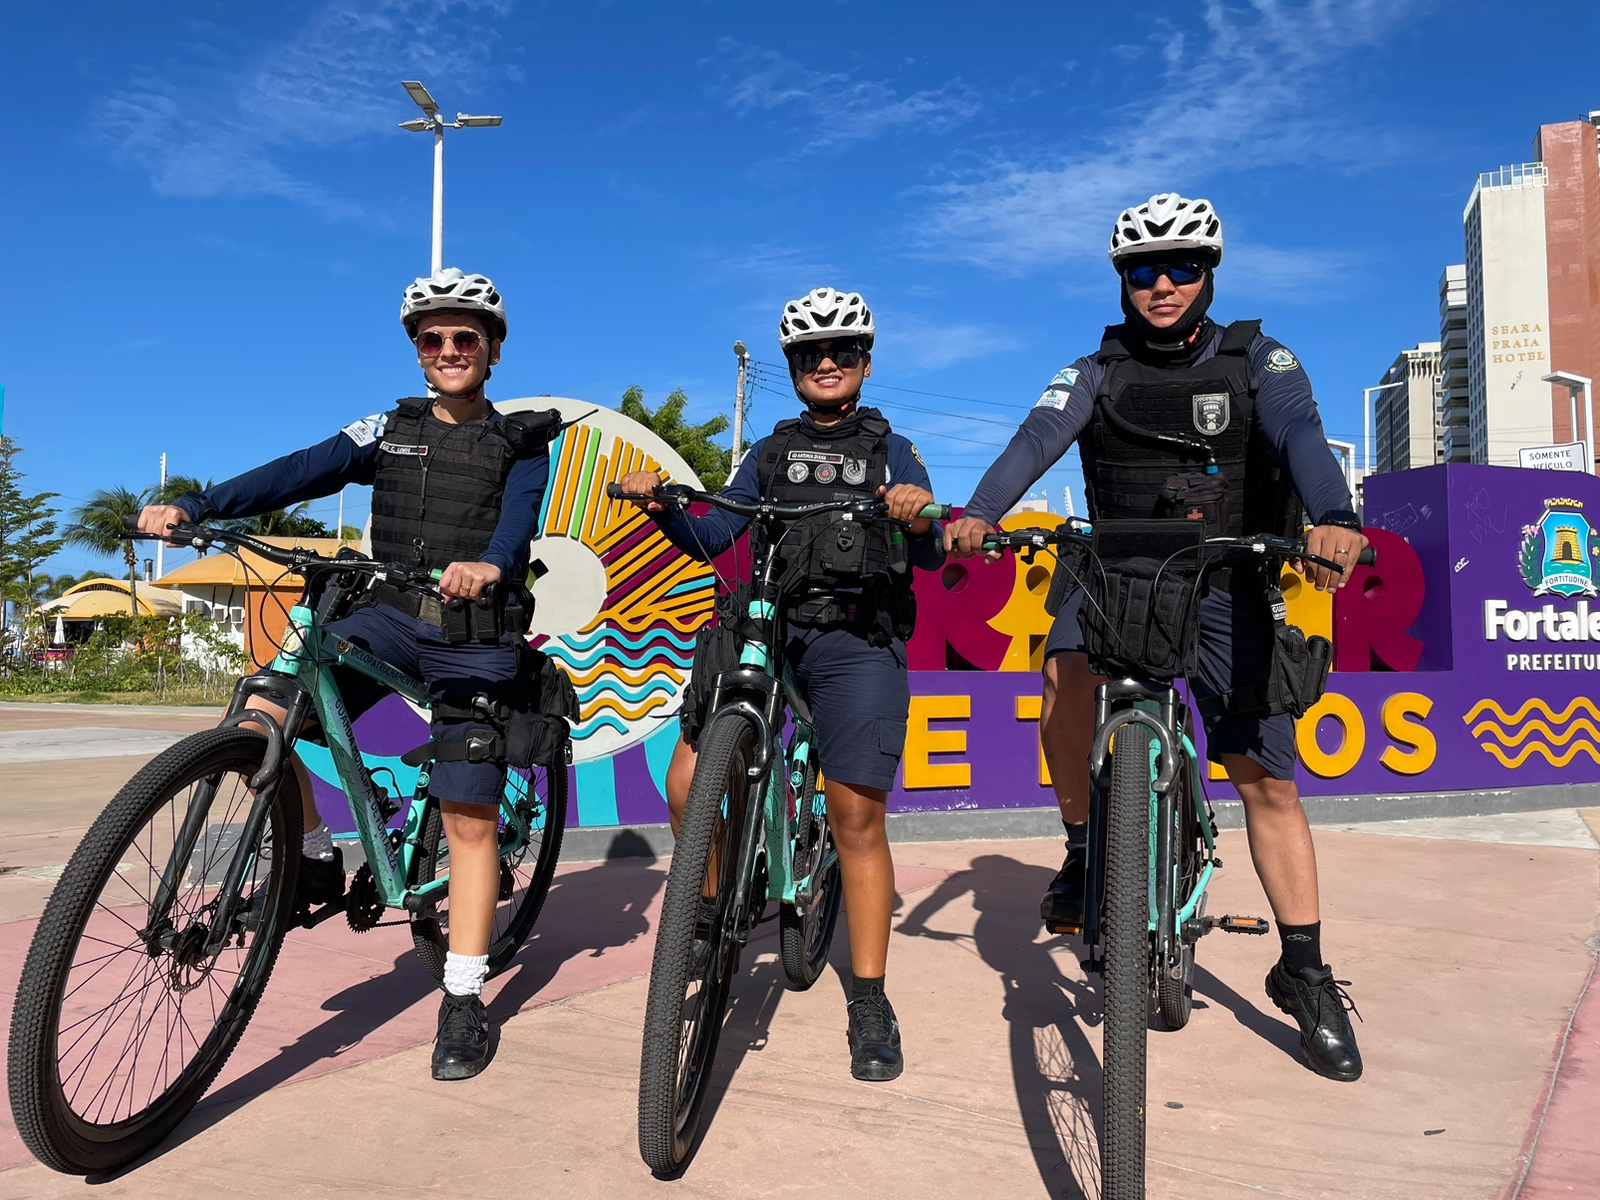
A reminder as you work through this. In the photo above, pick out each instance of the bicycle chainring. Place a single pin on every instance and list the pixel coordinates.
(363, 907)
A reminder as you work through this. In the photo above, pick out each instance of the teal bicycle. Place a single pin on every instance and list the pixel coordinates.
(159, 939)
(754, 831)
(1151, 841)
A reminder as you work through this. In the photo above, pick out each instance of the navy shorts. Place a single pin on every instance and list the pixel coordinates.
(859, 697)
(1233, 645)
(454, 673)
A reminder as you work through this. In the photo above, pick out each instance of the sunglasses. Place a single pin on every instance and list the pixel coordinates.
(846, 357)
(430, 343)
(1181, 273)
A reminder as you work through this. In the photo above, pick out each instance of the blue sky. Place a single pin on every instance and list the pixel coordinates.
(210, 211)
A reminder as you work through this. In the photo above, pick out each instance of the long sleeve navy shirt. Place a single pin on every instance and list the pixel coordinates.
(351, 456)
(708, 536)
(1285, 413)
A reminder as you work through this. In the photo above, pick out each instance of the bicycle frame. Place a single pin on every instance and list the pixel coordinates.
(300, 677)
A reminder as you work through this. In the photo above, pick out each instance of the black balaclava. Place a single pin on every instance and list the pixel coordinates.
(1177, 344)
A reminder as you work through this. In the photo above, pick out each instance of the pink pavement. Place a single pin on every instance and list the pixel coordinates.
(1564, 1139)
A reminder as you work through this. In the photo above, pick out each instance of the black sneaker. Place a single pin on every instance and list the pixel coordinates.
(1319, 1004)
(320, 882)
(874, 1038)
(461, 1048)
(1061, 909)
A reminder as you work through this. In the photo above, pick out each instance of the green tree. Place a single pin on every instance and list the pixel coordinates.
(97, 526)
(27, 531)
(707, 459)
(281, 522)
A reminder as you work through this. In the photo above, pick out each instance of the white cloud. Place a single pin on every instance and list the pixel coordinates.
(931, 346)
(1236, 99)
(332, 82)
(832, 109)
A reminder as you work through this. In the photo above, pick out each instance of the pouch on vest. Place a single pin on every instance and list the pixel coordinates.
(1196, 497)
(1297, 674)
(716, 649)
(1138, 612)
(1068, 575)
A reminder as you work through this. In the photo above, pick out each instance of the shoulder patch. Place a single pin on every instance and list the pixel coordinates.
(916, 455)
(1280, 360)
(1055, 395)
(367, 430)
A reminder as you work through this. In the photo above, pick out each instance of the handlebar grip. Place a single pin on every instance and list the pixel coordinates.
(615, 491)
(130, 522)
(935, 512)
(1368, 557)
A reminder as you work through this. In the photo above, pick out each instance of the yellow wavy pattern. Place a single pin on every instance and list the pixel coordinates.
(1534, 705)
(628, 675)
(1555, 760)
(628, 712)
(1581, 725)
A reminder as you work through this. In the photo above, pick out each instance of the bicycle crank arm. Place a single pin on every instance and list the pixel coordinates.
(306, 919)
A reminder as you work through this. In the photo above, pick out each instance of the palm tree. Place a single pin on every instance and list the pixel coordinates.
(708, 460)
(97, 526)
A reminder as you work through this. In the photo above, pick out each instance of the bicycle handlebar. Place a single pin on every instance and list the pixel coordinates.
(677, 495)
(1263, 544)
(297, 559)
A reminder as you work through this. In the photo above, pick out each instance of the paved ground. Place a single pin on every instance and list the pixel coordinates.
(1468, 941)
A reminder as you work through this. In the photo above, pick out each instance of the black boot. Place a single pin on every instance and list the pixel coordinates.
(874, 1038)
(320, 882)
(1319, 1004)
(1061, 909)
(461, 1048)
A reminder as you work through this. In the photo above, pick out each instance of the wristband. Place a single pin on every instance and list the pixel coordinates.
(1342, 518)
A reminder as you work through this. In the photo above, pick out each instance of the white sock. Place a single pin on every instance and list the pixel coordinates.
(464, 973)
(317, 843)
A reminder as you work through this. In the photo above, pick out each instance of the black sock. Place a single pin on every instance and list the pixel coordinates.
(1302, 946)
(865, 989)
(1077, 835)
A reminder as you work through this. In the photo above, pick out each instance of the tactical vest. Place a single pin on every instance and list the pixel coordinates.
(436, 497)
(1174, 442)
(837, 573)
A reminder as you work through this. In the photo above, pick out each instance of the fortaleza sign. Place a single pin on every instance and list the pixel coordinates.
(1467, 659)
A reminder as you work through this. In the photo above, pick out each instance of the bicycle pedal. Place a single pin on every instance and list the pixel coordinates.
(1255, 925)
(1062, 927)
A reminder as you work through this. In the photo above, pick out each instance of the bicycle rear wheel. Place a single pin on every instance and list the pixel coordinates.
(805, 930)
(1127, 964)
(696, 954)
(117, 1033)
(525, 872)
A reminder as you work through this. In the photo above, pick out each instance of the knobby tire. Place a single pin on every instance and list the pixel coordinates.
(676, 1061)
(1127, 965)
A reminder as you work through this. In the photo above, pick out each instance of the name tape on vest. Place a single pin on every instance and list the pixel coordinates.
(394, 448)
(815, 456)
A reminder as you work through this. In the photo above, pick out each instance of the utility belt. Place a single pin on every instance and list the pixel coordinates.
(528, 719)
(880, 613)
(493, 614)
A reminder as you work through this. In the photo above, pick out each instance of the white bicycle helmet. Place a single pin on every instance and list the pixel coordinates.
(1168, 222)
(452, 290)
(823, 314)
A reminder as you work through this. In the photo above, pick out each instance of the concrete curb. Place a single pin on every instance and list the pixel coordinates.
(181, 710)
(998, 824)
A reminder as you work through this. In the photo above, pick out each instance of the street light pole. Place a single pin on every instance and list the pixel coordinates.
(1366, 427)
(432, 121)
(1574, 384)
(743, 356)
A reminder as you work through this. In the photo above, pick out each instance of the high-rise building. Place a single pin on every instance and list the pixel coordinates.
(1533, 291)
(1453, 421)
(1406, 415)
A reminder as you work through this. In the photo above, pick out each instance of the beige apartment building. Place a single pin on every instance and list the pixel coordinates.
(1532, 292)
(1407, 410)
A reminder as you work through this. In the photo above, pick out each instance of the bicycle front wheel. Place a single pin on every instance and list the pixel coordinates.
(805, 928)
(525, 871)
(696, 951)
(119, 1029)
(1127, 964)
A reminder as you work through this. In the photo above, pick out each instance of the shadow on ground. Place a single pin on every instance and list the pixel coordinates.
(587, 911)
